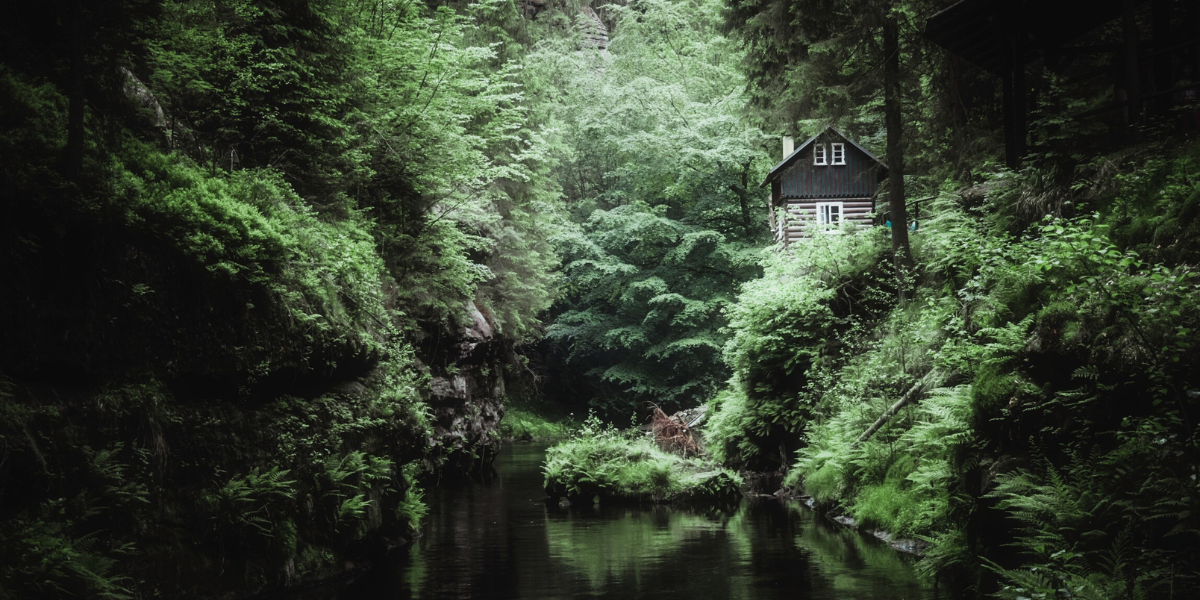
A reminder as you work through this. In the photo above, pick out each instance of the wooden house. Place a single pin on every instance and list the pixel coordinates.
(826, 181)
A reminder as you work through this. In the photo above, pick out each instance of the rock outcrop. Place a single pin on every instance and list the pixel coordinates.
(592, 29)
(466, 398)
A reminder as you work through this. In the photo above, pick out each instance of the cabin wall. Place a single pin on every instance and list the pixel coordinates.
(801, 216)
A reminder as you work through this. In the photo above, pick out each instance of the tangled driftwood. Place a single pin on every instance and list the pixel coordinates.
(672, 433)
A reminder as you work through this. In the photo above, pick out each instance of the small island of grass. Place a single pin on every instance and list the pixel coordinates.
(602, 462)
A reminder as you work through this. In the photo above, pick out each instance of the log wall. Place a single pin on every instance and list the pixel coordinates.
(801, 216)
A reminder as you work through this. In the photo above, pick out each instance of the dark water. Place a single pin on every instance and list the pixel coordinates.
(499, 539)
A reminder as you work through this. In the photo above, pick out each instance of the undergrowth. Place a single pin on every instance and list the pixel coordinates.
(1046, 444)
(280, 490)
(526, 425)
(601, 462)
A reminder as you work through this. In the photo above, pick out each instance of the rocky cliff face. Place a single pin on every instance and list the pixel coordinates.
(466, 396)
(593, 28)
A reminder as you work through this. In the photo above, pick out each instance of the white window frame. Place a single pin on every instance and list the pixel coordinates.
(826, 213)
(837, 154)
(819, 156)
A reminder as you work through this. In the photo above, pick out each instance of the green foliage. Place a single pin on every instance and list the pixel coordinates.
(278, 201)
(524, 425)
(725, 430)
(462, 201)
(45, 553)
(324, 473)
(883, 506)
(286, 284)
(241, 507)
(275, 199)
(251, 227)
(656, 165)
(1039, 339)
(248, 85)
(49, 562)
(1155, 208)
(411, 510)
(645, 317)
(600, 461)
(1088, 542)
(782, 324)
(385, 107)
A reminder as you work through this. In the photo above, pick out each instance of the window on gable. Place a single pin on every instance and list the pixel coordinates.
(819, 157)
(839, 154)
(829, 215)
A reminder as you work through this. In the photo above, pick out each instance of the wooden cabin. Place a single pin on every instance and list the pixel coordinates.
(826, 181)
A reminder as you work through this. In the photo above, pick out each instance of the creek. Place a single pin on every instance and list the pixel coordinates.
(499, 538)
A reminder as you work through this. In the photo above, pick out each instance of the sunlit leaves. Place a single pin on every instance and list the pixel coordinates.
(658, 166)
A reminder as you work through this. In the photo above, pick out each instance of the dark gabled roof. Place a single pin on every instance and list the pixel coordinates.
(789, 159)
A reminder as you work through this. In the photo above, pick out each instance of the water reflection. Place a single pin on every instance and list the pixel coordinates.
(499, 539)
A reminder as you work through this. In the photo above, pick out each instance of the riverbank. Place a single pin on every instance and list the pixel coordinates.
(498, 537)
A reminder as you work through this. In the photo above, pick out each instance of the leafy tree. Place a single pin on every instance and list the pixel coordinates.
(644, 307)
(260, 84)
(462, 199)
(79, 45)
(657, 165)
(381, 106)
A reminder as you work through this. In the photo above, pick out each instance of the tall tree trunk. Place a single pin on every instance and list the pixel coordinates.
(1160, 19)
(901, 254)
(1133, 77)
(1190, 31)
(75, 99)
(743, 193)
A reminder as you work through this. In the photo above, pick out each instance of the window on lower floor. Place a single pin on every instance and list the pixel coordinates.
(829, 214)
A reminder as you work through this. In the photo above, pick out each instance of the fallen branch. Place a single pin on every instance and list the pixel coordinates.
(912, 394)
(672, 435)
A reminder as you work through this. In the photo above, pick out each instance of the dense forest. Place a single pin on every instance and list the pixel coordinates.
(273, 268)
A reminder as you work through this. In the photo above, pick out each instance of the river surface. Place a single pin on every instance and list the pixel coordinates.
(500, 539)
